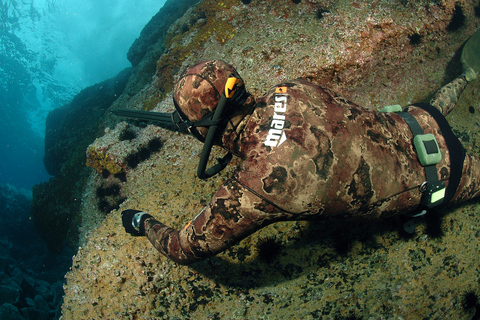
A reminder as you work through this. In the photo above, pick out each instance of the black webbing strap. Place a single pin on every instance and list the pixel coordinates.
(455, 148)
(183, 125)
(433, 190)
(431, 170)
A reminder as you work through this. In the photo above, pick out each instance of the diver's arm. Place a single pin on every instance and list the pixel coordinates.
(233, 214)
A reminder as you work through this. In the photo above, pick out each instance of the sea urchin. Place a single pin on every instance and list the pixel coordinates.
(269, 249)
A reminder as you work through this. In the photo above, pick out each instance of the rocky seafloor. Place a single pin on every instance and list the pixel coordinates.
(31, 286)
(375, 53)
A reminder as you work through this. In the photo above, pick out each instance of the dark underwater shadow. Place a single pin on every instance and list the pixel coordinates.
(454, 67)
(319, 245)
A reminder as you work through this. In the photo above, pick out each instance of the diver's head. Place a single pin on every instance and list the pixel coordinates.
(197, 94)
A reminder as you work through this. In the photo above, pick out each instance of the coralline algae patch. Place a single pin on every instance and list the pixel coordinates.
(362, 50)
(126, 146)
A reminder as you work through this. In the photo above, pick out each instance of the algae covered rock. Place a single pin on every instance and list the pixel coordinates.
(146, 49)
(302, 270)
(71, 128)
(76, 122)
(154, 32)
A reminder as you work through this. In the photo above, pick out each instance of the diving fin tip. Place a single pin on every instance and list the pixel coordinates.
(471, 57)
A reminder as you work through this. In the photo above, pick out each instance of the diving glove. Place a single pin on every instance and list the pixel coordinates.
(133, 221)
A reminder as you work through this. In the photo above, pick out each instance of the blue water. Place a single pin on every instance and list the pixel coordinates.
(49, 51)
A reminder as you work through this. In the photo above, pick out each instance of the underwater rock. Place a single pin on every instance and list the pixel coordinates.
(33, 313)
(112, 156)
(153, 34)
(5, 257)
(72, 128)
(114, 153)
(146, 49)
(9, 294)
(364, 51)
(56, 211)
(72, 125)
(15, 213)
(41, 304)
(33, 298)
(69, 130)
(23, 263)
(10, 312)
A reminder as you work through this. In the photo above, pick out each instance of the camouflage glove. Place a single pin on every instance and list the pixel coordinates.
(133, 221)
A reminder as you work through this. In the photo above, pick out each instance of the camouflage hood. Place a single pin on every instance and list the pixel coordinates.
(198, 91)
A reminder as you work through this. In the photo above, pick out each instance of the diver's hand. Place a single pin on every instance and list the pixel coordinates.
(133, 221)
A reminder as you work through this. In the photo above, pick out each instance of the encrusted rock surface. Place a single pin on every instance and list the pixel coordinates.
(69, 131)
(374, 53)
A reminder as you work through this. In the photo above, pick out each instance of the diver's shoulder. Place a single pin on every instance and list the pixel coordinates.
(297, 83)
(291, 86)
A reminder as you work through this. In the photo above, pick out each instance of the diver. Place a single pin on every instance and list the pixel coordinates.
(308, 153)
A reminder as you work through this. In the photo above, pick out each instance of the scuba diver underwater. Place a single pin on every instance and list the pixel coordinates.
(307, 153)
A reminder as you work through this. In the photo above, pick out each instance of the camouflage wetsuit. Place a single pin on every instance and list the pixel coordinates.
(310, 154)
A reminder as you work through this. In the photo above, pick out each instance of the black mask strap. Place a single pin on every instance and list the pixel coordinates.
(183, 125)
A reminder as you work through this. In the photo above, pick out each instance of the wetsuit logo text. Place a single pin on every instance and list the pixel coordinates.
(276, 136)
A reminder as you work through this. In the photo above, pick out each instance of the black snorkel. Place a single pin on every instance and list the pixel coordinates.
(175, 122)
(202, 172)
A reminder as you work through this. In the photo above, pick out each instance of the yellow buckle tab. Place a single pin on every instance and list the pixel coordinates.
(231, 86)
